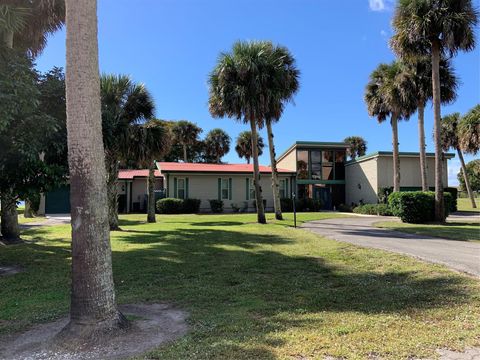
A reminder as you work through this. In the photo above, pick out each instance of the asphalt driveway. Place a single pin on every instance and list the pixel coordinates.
(458, 255)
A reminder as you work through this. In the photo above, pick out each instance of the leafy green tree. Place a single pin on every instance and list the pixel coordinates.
(389, 94)
(450, 140)
(281, 83)
(216, 145)
(148, 142)
(434, 27)
(473, 175)
(420, 72)
(469, 131)
(357, 146)
(186, 134)
(243, 145)
(124, 103)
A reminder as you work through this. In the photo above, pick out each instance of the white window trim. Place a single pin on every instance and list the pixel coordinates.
(222, 188)
(184, 188)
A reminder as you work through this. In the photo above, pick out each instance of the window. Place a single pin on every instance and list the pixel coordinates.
(181, 189)
(339, 165)
(316, 158)
(252, 189)
(284, 189)
(302, 164)
(224, 189)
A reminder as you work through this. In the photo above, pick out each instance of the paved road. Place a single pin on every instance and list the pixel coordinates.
(458, 255)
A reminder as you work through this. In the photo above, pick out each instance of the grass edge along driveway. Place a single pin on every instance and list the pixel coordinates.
(257, 291)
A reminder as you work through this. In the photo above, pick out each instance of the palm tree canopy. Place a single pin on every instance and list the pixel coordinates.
(124, 103)
(449, 131)
(217, 144)
(390, 91)
(186, 132)
(420, 69)
(243, 145)
(148, 141)
(357, 146)
(420, 23)
(253, 82)
(31, 21)
(469, 131)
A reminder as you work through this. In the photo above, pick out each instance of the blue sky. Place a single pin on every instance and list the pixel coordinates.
(172, 45)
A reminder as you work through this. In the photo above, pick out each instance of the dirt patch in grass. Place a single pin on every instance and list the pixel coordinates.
(152, 326)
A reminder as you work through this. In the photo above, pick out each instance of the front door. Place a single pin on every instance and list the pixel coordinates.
(323, 194)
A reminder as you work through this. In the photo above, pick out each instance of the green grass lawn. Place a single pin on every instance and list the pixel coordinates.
(453, 230)
(464, 204)
(257, 291)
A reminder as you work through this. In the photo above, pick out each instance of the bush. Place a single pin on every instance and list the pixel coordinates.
(344, 208)
(308, 204)
(454, 193)
(170, 206)
(373, 209)
(416, 206)
(286, 204)
(235, 208)
(216, 205)
(383, 194)
(191, 206)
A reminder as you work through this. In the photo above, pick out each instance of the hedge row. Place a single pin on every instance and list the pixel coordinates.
(178, 206)
(417, 206)
(373, 209)
(301, 205)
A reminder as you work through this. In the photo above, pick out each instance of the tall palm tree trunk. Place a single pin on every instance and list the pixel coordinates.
(185, 157)
(93, 308)
(151, 194)
(396, 156)
(112, 192)
(421, 140)
(465, 178)
(439, 202)
(9, 218)
(273, 163)
(256, 175)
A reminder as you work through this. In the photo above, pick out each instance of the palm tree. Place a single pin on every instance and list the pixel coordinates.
(186, 134)
(420, 70)
(469, 131)
(281, 78)
(357, 146)
(449, 135)
(434, 27)
(243, 145)
(239, 89)
(217, 144)
(93, 307)
(148, 142)
(124, 103)
(389, 94)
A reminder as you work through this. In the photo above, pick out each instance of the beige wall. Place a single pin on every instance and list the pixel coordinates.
(289, 162)
(361, 182)
(205, 188)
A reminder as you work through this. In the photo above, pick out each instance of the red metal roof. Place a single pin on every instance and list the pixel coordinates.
(130, 174)
(214, 168)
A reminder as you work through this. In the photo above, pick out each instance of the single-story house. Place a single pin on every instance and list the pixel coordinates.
(308, 169)
(231, 183)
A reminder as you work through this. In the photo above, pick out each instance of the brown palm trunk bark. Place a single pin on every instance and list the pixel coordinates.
(273, 163)
(256, 175)
(396, 156)
(112, 192)
(93, 308)
(421, 140)
(9, 218)
(439, 202)
(465, 178)
(151, 194)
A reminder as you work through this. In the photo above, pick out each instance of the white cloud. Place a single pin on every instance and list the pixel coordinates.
(380, 5)
(384, 34)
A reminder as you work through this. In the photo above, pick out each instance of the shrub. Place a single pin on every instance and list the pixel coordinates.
(383, 194)
(373, 209)
(416, 206)
(235, 208)
(344, 208)
(191, 206)
(170, 206)
(454, 193)
(216, 205)
(307, 204)
(286, 204)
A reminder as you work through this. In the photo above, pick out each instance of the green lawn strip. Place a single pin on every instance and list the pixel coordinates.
(257, 291)
(24, 220)
(453, 230)
(464, 204)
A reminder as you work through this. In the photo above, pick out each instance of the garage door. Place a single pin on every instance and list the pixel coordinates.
(58, 201)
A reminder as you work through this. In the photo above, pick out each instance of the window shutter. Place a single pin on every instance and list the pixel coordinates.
(247, 189)
(230, 189)
(186, 188)
(219, 189)
(175, 187)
